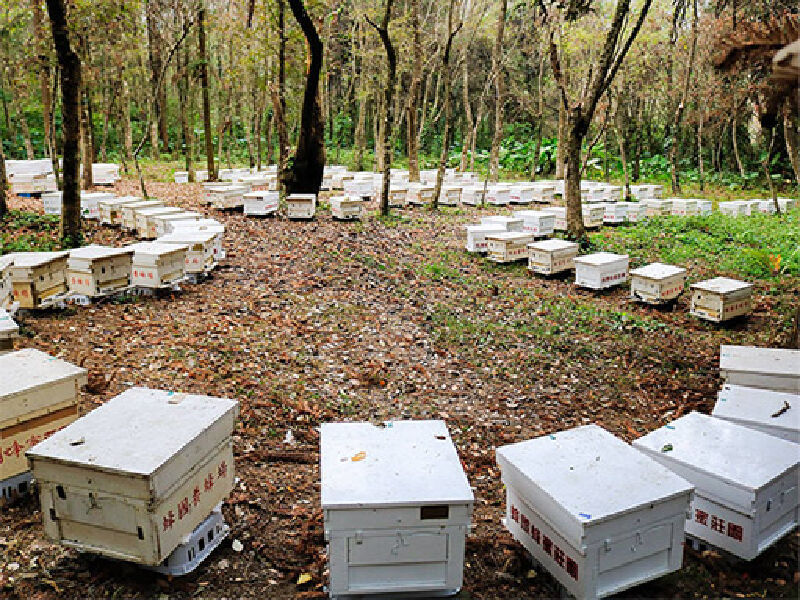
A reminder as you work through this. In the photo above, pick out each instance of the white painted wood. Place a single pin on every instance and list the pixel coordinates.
(146, 227)
(601, 270)
(775, 413)
(301, 206)
(200, 256)
(537, 222)
(548, 257)
(36, 276)
(98, 270)
(720, 299)
(776, 369)
(347, 208)
(509, 223)
(476, 236)
(508, 246)
(129, 210)
(657, 283)
(156, 265)
(261, 203)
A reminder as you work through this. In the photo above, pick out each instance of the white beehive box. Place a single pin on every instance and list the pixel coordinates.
(543, 192)
(6, 289)
(522, 195)
(476, 236)
(425, 195)
(658, 208)
(776, 369)
(570, 502)
(397, 196)
(51, 202)
(733, 208)
(253, 179)
(472, 195)
(164, 222)
(212, 225)
(226, 197)
(347, 208)
(39, 394)
(397, 508)
(615, 213)
(684, 208)
(720, 299)
(508, 223)
(775, 413)
(36, 276)
(301, 206)
(647, 191)
(560, 213)
(537, 222)
(508, 246)
(105, 174)
(201, 176)
(450, 195)
(134, 477)
(766, 207)
(33, 184)
(225, 174)
(593, 215)
(704, 207)
(498, 196)
(745, 481)
(8, 331)
(129, 212)
(111, 210)
(200, 255)
(787, 204)
(156, 264)
(634, 211)
(145, 220)
(181, 176)
(601, 270)
(657, 283)
(90, 204)
(97, 270)
(548, 257)
(261, 203)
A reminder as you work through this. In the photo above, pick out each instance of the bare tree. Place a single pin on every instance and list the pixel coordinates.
(500, 93)
(3, 182)
(412, 125)
(203, 64)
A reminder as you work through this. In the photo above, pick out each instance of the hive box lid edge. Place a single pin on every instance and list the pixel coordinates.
(17, 380)
(740, 403)
(755, 359)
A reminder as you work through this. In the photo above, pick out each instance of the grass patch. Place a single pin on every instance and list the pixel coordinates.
(22, 231)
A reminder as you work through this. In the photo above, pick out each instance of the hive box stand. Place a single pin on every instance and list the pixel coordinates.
(775, 413)
(134, 477)
(745, 480)
(97, 270)
(301, 206)
(37, 276)
(657, 283)
(549, 257)
(571, 502)
(601, 270)
(39, 394)
(775, 369)
(721, 299)
(397, 508)
(157, 265)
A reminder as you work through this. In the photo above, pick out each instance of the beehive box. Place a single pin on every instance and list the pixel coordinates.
(508, 246)
(212, 225)
(200, 255)
(508, 223)
(745, 480)
(301, 206)
(543, 192)
(657, 283)
(774, 413)
(201, 176)
(601, 270)
(570, 502)
(129, 210)
(164, 222)
(97, 270)
(472, 195)
(498, 196)
(39, 394)
(537, 222)
(425, 195)
(593, 215)
(135, 476)
(658, 208)
(226, 197)
(105, 174)
(776, 369)
(111, 209)
(6, 290)
(733, 208)
(476, 236)
(33, 184)
(90, 204)
(684, 208)
(522, 195)
(156, 264)
(634, 211)
(548, 257)
(181, 176)
(261, 203)
(145, 220)
(397, 508)
(450, 195)
(346, 208)
(51, 202)
(8, 331)
(720, 299)
(615, 213)
(787, 204)
(560, 214)
(36, 276)
(704, 207)
(647, 191)
(397, 196)
(766, 207)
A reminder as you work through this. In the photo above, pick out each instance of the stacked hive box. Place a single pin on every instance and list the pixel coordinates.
(601, 270)
(570, 502)
(548, 257)
(775, 413)
(658, 208)
(775, 369)
(634, 211)
(733, 208)
(593, 215)
(157, 265)
(450, 195)
(97, 270)
(164, 222)
(397, 197)
(657, 283)
(685, 208)
(536, 222)
(90, 204)
(261, 203)
(397, 508)
(6, 290)
(472, 195)
(146, 227)
(200, 248)
(109, 208)
(721, 299)
(136, 477)
(211, 225)
(226, 197)
(301, 206)
(38, 276)
(347, 208)
(746, 495)
(8, 331)
(508, 246)
(615, 213)
(129, 210)
(105, 174)
(560, 214)
(476, 236)
(704, 207)
(498, 196)
(181, 176)
(39, 394)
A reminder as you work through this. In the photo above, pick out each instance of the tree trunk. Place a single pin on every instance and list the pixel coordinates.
(620, 127)
(125, 119)
(26, 133)
(158, 91)
(790, 135)
(734, 137)
(467, 118)
(700, 162)
(3, 182)
(412, 110)
(561, 147)
(70, 66)
(766, 164)
(44, 76)
(572, 180)
(280, 114)
(474, 136)
(360, 133)
(86, 139)
(451, 33)
(185, 111)
(203, 60)
(676, 124)
(500, 93)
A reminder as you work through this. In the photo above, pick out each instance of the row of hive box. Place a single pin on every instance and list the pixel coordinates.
(509, 239)
(141, 479)
(29, 177)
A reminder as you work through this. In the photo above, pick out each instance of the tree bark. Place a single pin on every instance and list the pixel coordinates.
(734, 138)
(500, 93)
(86, 139)
(467, 118)
(700, 162)
(70, 67)
(203, 60)
(280, 113)
(156, 61)
(766, 164)
(676, 125)
(186, 113)
(3, 181)
(412, 108)
(447, 77)
(791, 137)
(44, 76)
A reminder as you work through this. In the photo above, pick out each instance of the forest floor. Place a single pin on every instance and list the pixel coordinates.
(308, 322)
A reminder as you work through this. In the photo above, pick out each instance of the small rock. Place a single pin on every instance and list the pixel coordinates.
(14, 566)
(223, 564)
(237, 546)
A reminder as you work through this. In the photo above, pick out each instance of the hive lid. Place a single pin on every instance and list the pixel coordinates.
(94, 252)
(137, 431)
(158, 211)
(532, 214)
(489, 228)
(510, 236)
(98, 196)
(29, 369)
(398, 463)
(181, 216)
(766, 361)
(188, 236)
(8, 326)
(600, 258)
(156, 248)
(36, 259)
(500, 219)
(723, 450)
(658, 270)
(259, 194)
(585, 476)
(5, 262)
(775, 410)
(556, 210)
(143, 204)
(302, 197)
(722, 285)
(553, 245)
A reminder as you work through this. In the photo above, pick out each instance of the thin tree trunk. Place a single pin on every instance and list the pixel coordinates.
(474, 136)
(280, 114)
(676, 124)
(467, 117)
(572, 181)
(500, 93)
(44, 75)
(735, 143)
(766, 164)
(561, 146)
(125, 121)
(360, 133)
(203, 60)
(412, 110)
(620, 126)
(3, 182)
(700, 162)
(86, 139)
(26, 134)
(790, 135)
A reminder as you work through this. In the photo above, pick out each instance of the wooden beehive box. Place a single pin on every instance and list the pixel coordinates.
(787, 204)
(508, 246)
(6, 289)
(111, 209)
(90, 204)
(476, 236)
(733, 208)
(105, 174)
(156, 264)
(301, 206)
(164, 222)
(509, 223)
(593, 215)
(227, 197)
(570, 502)
(135, 476)
(425, 195)
(657, 283)
(181, 176)
(200, 255)
(560, 213)
(704, 207)
(450, 195)
(8, 331)
(98, 270)
(129, 210)
(472, 195)
(146, 227)
(647, 191)
(522, 195)
(498, 196)
(543, 193)
(776, 369)
(397, 197)
(615, 213)
(397, 507)
(634, 211)
(347, 208)
(51, 202)
(745, 480)
(775, 413)
(685, 208)
(36, 276)
(721, 298)
(658, 208)
(201, 176)
(766, 207)
(601, 270)
(548, 257)
(212, 225)
(261, 203)
(537, 222)
(39, 394)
